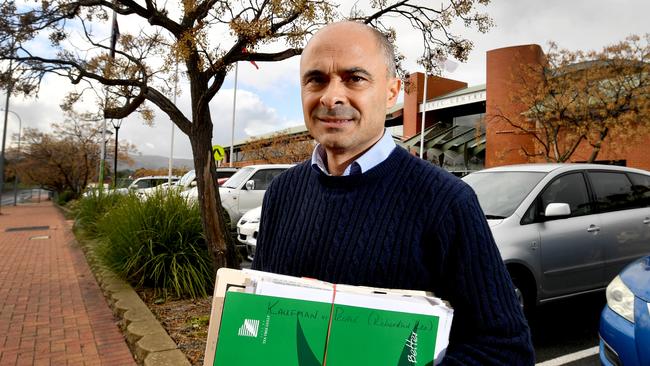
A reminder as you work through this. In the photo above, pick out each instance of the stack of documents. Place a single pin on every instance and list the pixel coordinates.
(260, 318)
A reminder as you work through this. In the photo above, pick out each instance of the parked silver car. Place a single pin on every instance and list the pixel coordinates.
(565, 229)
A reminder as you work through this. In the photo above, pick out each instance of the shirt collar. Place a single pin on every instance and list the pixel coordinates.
(371, 158)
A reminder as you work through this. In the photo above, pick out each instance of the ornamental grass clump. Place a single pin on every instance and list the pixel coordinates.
(91, 208)
(157, 243)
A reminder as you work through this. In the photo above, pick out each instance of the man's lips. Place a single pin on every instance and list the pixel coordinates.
(335, 121)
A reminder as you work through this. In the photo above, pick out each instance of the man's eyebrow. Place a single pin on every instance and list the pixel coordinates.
(312, 73)
(358, 70)
(351, 71)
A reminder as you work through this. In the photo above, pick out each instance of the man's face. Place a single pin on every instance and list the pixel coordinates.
(345, 89)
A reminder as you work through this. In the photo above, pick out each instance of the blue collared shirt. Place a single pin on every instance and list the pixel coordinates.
(371, 158)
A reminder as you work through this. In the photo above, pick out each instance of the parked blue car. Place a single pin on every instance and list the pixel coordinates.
(625, 321)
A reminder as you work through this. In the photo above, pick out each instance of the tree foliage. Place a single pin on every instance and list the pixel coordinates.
(279, 148)
(581, 99)
(207, 37)
(67, 158)
(143, 172)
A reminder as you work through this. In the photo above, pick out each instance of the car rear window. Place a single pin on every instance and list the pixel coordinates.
(641, 189)
(613, 191)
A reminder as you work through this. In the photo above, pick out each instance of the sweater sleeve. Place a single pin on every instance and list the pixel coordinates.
(489, 327)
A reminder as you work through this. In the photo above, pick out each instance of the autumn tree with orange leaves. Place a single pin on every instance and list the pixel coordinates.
(66, 159)
(583, 100)
(207, 38)
(279, 148)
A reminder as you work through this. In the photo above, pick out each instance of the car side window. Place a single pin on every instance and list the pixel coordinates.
(613, 191)
(569, 188)
(264, 177)
(144, 183)
(640, 189)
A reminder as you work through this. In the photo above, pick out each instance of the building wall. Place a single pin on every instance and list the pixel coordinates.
(504, 143)
(635, 152)
(436, 86)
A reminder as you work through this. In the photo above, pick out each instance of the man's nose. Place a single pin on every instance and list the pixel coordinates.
(333, 94)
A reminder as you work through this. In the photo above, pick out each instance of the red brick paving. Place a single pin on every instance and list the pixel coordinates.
(52, 311)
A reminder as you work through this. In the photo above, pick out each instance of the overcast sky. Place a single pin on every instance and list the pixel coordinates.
(268, 99)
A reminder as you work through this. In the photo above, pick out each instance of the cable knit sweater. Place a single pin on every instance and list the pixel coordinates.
(403, 224)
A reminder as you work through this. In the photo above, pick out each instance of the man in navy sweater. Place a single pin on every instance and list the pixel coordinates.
(363, 211)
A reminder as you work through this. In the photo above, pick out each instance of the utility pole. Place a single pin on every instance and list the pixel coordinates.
(4, 134)
(116, 126)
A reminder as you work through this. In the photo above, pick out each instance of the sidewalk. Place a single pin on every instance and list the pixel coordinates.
(52, 311)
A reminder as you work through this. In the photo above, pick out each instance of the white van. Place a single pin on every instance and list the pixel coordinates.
(245, 189)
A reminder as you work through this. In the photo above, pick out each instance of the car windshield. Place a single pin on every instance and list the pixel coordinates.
(143, 183)
(500, 193)
(238, 178)
(187, 178)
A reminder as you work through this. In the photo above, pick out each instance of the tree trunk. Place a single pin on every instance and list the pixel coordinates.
(597, 146)
(219, 241)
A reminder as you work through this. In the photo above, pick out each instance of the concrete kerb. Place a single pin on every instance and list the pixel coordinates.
(143, 332)
(148, 340)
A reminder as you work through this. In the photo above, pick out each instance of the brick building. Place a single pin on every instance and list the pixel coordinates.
(460, 133)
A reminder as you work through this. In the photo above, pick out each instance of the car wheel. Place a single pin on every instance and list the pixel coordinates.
(525, 293)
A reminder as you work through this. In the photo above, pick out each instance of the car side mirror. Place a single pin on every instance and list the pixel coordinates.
(557, 209)
(250, 185)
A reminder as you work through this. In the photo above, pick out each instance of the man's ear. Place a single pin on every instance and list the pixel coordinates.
(394, 86)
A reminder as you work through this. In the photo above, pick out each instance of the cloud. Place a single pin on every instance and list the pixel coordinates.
(269, 98)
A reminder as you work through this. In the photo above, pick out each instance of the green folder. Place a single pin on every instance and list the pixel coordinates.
(266, 330)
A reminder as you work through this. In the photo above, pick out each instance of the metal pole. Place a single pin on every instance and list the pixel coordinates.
(171, 149)
(4, 133)
(424, 111)
(20, 132)
(234, 103)
(16, 173)
(100, 179)
(117, 130)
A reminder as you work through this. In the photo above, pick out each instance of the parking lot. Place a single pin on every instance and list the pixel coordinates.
(565, 327)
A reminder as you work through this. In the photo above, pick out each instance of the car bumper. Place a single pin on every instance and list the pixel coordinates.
(247, 235)
(623, 342)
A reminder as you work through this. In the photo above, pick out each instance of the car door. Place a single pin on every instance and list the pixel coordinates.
(249, 199)
(625, 223)
(570, 246)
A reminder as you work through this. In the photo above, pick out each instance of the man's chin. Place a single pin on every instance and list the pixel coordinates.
(334, 144)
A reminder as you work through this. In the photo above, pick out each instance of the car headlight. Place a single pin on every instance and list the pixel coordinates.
(620, 299)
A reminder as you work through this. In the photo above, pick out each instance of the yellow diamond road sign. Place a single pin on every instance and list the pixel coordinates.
(218, 152)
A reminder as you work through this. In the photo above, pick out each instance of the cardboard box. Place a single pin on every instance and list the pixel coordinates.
(281, 320)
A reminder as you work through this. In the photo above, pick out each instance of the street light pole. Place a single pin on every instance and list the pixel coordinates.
(116, 126)
(424, 111)
(105, 137)
(4, 134)
(20, 132)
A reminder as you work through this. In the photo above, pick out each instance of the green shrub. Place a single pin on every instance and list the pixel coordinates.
(157, 243)
(64, 197)
(91, 208)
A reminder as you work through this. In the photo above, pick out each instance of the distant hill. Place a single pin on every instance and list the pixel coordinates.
(156, 162)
